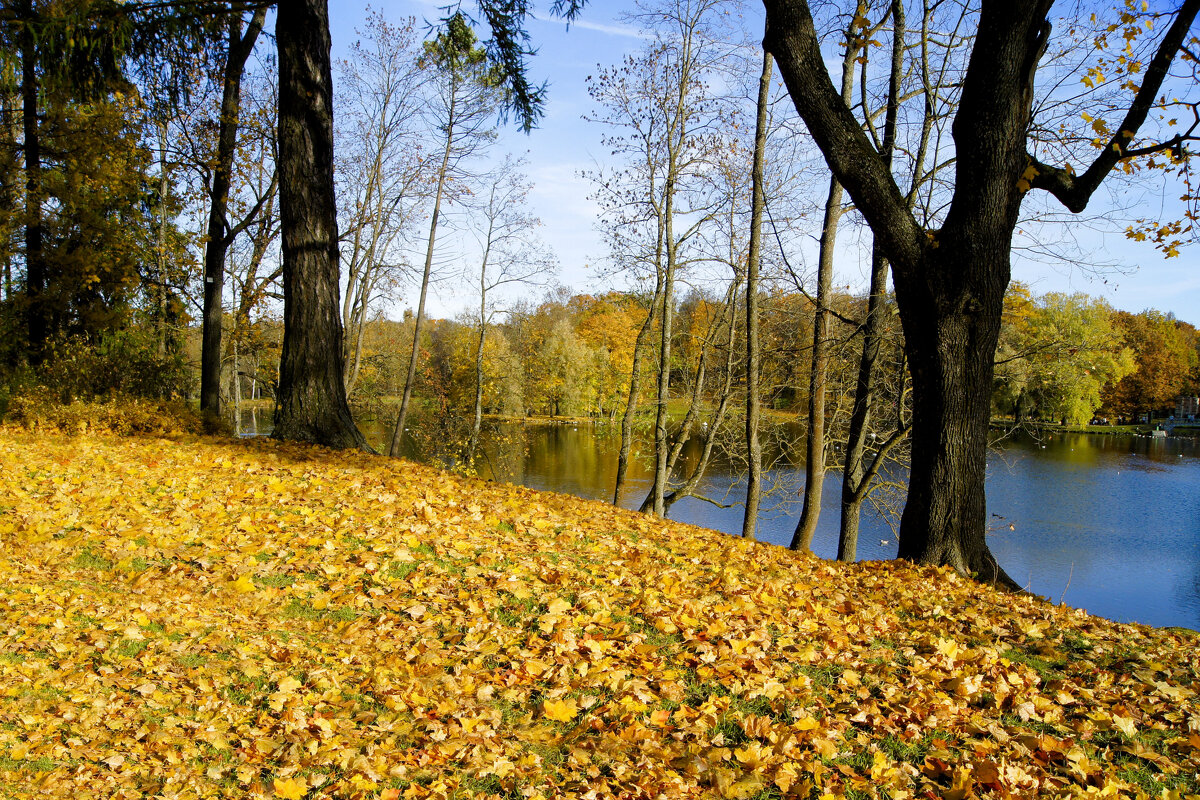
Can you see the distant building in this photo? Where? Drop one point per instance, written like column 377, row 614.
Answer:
column 1187, row 407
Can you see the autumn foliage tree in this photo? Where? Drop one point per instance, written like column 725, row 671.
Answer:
column 1164, row 366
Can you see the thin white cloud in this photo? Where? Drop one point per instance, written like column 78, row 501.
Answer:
column 601, row 27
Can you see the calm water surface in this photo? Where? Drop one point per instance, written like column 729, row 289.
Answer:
column 1106, row 523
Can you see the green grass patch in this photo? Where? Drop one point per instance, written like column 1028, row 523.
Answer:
column 130, row 648
column 303, row 609
column 90, row 559
column 1047, row 667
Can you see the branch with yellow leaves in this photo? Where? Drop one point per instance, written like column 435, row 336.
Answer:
column 1075, row 191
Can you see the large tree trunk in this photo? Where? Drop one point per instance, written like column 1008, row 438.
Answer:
column 239, row 49
column 951, row 327
column 753, row 257
column 950, row 283
column 35, row 264
column 312, row 397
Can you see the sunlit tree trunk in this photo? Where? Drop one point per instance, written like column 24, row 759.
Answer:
column 239, row 45
column 856, row 480
column 753, row 257
column 414, row 355
column 635, row 387
column 814, row 461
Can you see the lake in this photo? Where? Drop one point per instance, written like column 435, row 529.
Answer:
column 1110, row 524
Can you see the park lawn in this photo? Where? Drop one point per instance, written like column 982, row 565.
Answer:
column 192, row 617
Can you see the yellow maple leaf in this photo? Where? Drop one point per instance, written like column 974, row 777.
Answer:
column 290, row 789
column 660, row 717
column 560, row 710
column 289, row 685
column 243, row 584
column 1125, row 725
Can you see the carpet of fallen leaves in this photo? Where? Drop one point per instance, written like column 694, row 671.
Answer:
column 202, row 618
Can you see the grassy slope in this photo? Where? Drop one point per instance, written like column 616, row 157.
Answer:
column 200, row 618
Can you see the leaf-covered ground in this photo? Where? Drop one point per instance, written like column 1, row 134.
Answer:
column 212, row 619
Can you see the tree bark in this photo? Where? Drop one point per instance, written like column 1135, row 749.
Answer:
column 753, row 257
column 37, row 325
column 950, row 285
column 312, row 397
column 814, row 448
column 814, row 460
column 239, row 48
column 411, row 378
column 949, row 342
column 856, row 479
column 635, row 385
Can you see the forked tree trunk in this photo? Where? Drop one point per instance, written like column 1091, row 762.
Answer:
column 239, row 48
column 950, row 283
column 635, row 385
column 814, row 460
column 684, row 433
column 312, row 397
column 856, row 475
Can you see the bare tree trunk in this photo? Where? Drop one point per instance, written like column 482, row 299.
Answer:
column 237, row 389
column 814, row 461
column 477, row 422
column 692, row 482
column 753, row 257
column 680, row 439
column 240, row 46
column 951, row 408
column 312, row 397
column 661, row 440
column 855, row 479
column 411, row 379
column 635, row 385
column 35, row 265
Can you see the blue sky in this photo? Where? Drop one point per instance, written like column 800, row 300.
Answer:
column 564, row 145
